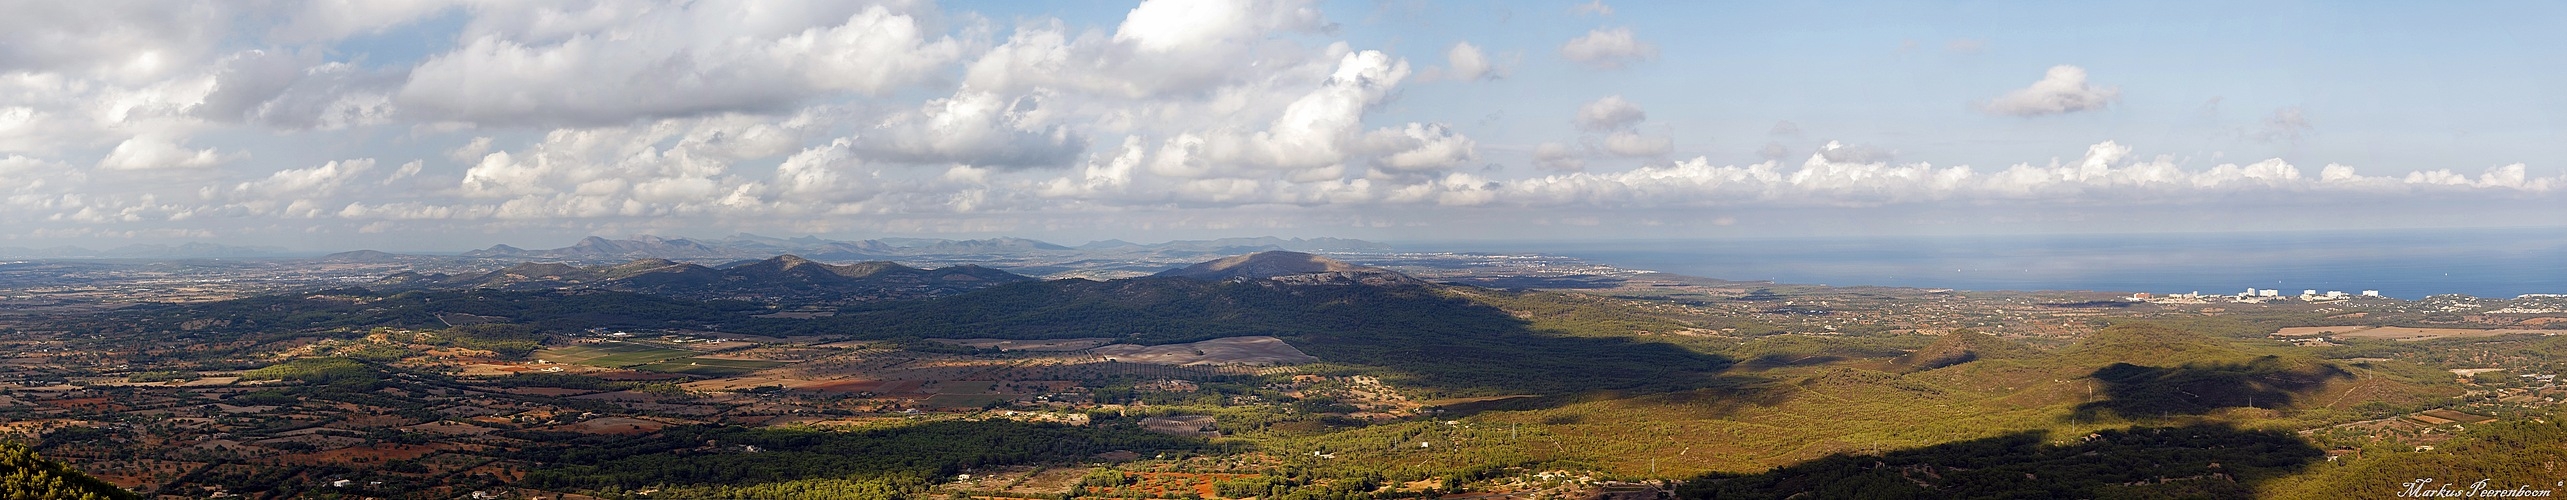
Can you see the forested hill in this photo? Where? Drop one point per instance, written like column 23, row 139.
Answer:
column 1426, row 336
column 1290, row 267
column 784, row 278
column 23, row 474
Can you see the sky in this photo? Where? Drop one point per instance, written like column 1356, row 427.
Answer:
column 436, row 125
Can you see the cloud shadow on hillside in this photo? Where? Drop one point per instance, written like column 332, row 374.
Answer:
column 2203, row 461
column 2133, row 391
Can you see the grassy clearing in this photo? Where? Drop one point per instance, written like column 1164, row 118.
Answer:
column 613, row 354
column 710, row 367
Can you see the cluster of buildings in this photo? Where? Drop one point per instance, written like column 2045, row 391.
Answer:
column 2250, row 295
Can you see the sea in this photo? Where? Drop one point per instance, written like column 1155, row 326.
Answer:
column 2410, row 264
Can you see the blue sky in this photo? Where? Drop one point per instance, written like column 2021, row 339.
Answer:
column 446, row 125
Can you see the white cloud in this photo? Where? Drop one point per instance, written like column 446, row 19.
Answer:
column 1463, row 62
column 1592, row 7
column 976, row 128
column 1181, row 25
column 620, row 171
column 1164, row 48
column 2514, row 177
column 1314, row 129
column 154, row 153
column 316, row 180
column 1608, row 49
column 2062, row 90
column 1609, row 113
column 2103, row 176
column 470, row 151
column 289, row 92
column 125, row 43
column 692, row 60
column 1421, row 148
column 1840, row 152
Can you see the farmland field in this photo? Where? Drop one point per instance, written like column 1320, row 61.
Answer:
column 713, row 367
column 613, row 354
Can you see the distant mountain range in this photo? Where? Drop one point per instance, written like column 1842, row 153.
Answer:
column 597, row 250
column 1290, row 268
column 747, row 246
column 793, row 279
column 182, row 251
column 777, row 279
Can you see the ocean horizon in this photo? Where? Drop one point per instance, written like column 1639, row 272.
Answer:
column 2410, row 264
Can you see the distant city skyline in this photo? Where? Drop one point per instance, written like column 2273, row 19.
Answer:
column 446, row 126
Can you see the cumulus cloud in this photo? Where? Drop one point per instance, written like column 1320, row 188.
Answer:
column 123, row 42
column 1609, row 113
column 1840, row 152
column 2061, row 90
column 976, row 128
column 1420, row 148
column 1617, row 118
column 320, row 180
column 1612, row 48
column 156, row 153
column 1463, row 62
column 1162, row 48
column 623, row 171
column 2104, row 175
column 289, row 92
column 1312, row 132
column 1168, row 26
column 470, row 151
column 696, row 59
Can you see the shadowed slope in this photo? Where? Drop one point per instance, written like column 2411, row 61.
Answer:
column 784, row 278
column 2144, row 462
column 1289, row 267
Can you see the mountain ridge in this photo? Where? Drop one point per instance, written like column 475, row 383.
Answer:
column 780, row 278
column 1289, row 267
column 750, row 246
